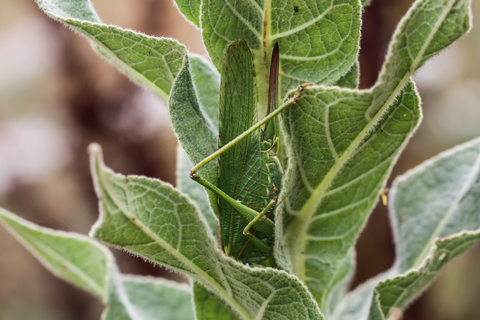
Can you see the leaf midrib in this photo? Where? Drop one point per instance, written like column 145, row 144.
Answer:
column 201, row 275
column 121, row 64
column 302, row 221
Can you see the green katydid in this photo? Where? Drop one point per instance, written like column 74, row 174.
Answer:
column 248, row 172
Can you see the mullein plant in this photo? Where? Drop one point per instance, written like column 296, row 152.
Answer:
column 281, row 161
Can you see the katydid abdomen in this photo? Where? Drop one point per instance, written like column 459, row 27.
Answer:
column 245, row 170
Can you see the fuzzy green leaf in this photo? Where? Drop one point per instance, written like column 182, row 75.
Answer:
column 350, row 79
column 195, row 130
column 147, row 298
column 194, row 100
column 72, row 257
column 190, row 9
column 205, row 97
column 318, row 40
column 357, row 303
column 208, row 306
column 149, row 61
column 207, row 83
column 429, row 27
column 90, row 266
column 343, row 144
column 342, row 282
column 155, row 221
column 193, row 107
column 340, row 162
column 194, row 190
column 397, row 293
column 435, row 200
column 434, row 212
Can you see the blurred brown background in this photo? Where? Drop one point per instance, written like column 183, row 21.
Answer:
column 57, row 96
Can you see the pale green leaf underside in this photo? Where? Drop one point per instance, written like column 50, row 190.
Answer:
column 429, row 27
column 430, row 207
column 90, row 266
column 193, row 107
column 207, row 82
column 398, row 292
column 208, row 306
column 357, row 303
column 159, row 299
column 194, row 190
column 343, row 143
column 153, row 220
column 147, row 298
column 435, row 200
column 394, row 292
column 72, row 257
column 194, row 113
column 436, row 205
column 341, row 160
column 318, row 39
column 195, row 130
column 149, row 61
column 205, row 79
column 344, row 277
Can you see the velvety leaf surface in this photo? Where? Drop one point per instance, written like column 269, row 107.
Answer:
column 341, row 162
column 209, row 306
column 158, row 299
column 207, row 82
column 436, row 200
column 190, row 9
column 194, row 128
column 194, row 113
column 343, row 143
column 350, row 79
column 90, row 266
column 357, row 303
column 194, row 190
column 155, row 221
column 434, row 211
column 397, row 293
column 318, row 40
column 149, row 61
column 73, row 257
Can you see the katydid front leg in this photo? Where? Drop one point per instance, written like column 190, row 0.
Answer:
column 252, row 129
